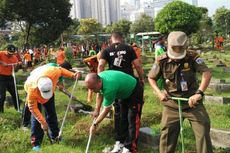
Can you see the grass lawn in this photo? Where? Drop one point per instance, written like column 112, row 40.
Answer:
column 76, row 130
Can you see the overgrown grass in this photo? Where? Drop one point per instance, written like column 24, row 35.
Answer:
column 76, row 129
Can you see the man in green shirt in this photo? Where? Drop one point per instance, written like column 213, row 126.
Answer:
column 117, row 85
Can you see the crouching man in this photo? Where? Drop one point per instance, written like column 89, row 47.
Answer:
column 111, row 85
column 40, row 89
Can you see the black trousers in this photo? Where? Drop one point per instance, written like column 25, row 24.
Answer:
column 127, row 118
column 7, row 84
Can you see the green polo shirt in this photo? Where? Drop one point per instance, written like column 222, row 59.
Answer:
column 116, row 85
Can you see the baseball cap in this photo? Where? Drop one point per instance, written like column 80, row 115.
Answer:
column 45, row 86
column 177, row 39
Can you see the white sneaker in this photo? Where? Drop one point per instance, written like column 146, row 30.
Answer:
column 125, row 150
column 117, row 147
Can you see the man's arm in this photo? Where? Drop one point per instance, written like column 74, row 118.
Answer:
column 206, row 77
column 99, row 100
column 101, row 65
column 205, row 80
column 162, row 96
column 139, row 69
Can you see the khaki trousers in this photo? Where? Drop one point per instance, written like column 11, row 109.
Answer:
column 199, row 120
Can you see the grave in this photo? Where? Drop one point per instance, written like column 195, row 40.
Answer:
column 220, row 138
column 220, row 87
column 148, row 138
column 226, row 69
column 216, row 100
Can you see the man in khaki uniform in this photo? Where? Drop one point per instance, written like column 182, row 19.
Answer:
column 178, row 68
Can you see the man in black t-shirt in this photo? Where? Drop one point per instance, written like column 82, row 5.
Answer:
column 121, row 57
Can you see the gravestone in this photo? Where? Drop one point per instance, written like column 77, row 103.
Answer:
column 220, row 64
column 148, row 138
column 226, row 69
column 216, row 100
column 220, row 138
column 220, row 87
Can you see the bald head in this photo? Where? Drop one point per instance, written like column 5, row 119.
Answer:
column 93, row 82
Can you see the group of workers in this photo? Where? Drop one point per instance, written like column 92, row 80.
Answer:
column 120, row 88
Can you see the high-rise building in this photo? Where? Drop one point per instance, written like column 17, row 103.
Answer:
column 105, row 11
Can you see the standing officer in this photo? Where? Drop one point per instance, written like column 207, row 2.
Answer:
column 120, row 57
column 6, row 79
column 40, row 89
column 113, row 85
column 178, row 69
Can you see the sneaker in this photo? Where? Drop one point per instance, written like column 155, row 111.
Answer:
column 125, row 150
column 36, row 148
column 117, row 147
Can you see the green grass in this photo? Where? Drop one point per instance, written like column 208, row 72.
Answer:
column 76, row 129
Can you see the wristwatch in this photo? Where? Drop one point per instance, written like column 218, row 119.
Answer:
column 200, row 92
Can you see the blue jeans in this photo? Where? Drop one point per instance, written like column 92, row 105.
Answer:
column 37, row 133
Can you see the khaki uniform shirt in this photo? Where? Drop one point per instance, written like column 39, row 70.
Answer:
column 174, row 73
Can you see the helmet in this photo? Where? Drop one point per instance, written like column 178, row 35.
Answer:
column 11, row 48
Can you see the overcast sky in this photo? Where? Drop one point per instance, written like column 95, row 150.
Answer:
column 212, row 5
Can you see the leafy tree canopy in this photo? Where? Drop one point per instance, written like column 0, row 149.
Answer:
column 222, row 20
column 143, row 24
column 178, row 16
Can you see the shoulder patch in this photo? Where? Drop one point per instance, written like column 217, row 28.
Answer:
column 199, row 60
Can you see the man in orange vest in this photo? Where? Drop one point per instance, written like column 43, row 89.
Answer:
column 60, row 56
column 221, row 42
column 7, row 61
column 40, row 87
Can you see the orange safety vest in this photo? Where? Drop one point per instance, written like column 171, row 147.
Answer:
column 33, row 93
column 4, row 57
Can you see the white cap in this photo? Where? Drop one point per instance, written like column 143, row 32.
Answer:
column 45, row 86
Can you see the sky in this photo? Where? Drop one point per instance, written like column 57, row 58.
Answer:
column 211, row 5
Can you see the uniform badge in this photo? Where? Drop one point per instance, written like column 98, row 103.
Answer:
column 199, row 60
column 185, row 65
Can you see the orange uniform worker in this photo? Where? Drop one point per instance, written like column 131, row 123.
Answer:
column 92, row 63
column 221, row 42
column 6, row 78
column 28, row 60
column 40, row 87
column 60, row 56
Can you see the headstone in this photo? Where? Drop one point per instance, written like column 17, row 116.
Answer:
column 81, row 83
column 220, row 138
column 216, row 100
column 217, row 81
column 220, row 64
column 220, row 87
column 226, row 69
column 148, row 138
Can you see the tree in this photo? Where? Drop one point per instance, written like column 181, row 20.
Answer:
column 48, row 19
column 89, row 26
column 122, row 26
column 178, row 16
column 143, row 24
column 222, row 20
column 205, row 30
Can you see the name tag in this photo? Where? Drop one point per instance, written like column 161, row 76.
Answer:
column 184, row 85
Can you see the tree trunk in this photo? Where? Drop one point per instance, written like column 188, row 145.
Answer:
column 27, row 33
